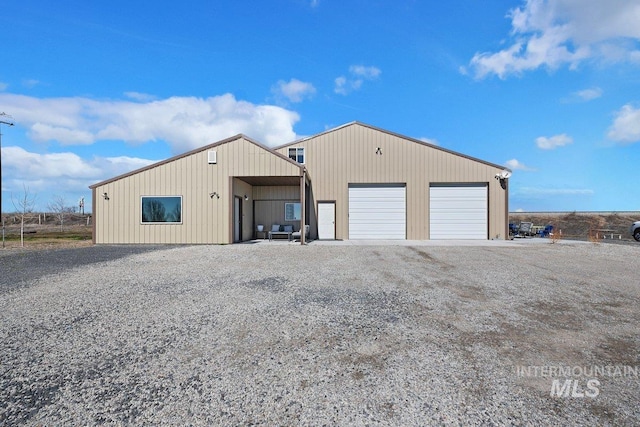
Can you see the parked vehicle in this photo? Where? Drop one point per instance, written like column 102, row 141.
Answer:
column 635, row 230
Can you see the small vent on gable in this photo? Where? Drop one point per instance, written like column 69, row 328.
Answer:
column 213, row 158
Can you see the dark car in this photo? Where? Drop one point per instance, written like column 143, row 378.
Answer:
column 635, row 230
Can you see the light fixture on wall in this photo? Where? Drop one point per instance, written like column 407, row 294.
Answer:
column 246, row 197
column 105, row 196
column 214, row 194
column 502, row 177
column 379, row 151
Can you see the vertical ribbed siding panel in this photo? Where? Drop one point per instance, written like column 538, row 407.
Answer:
column 176, row 230
column 189, row 201
column 111, row 206
column 421, row 214
column 221, row 184
column 115, row 204
column 201, row 203
column 198, row 188
column 170, row 183
column 412, row 198
column 182, row 178
column 124, row 212
column 144, row 189
column 106, row 218
column 204, row 217
column 101, row 217
column 132, row 209
column 347, row 155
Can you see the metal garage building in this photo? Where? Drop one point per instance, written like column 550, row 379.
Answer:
column 352, row 182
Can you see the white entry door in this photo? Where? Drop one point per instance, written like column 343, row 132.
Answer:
column 327, row 220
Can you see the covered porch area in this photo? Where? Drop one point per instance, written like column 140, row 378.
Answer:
column 261, row 203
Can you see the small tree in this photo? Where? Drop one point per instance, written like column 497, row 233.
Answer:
column 24, row 205
column 58, row 206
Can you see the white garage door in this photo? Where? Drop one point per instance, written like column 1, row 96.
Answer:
column 458, row 212
column 377, row 212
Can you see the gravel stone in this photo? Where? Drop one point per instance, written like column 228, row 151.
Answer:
column 283, row 334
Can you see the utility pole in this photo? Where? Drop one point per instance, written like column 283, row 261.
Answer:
column 2, row 122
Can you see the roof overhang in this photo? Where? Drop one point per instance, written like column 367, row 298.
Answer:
column 270, row 180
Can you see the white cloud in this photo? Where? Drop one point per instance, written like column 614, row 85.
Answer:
column 45, row 132
column 626, row 125
column 28, row 166
column 430, row 141
column 113, row 166
column 294, row 90
column 138, row 96
column 341, row 85
column 534, row 192
column 554, row 33
column 515, row 164
column 588, row 94
column 315, row 3
column 183, row 122
column 553, row 142
column 59, row 173
column 24, row 165
column 30, row 83
column 369, row 73
column 357, row 76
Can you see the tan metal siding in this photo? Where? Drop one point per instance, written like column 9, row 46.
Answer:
column 348, row 155
column 204, row 220
column 269, row 204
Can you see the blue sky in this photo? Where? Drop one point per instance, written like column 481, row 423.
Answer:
column 550, row 89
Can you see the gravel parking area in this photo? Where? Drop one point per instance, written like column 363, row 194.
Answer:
column 321, row 335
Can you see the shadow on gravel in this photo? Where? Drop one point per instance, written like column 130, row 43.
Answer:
column 19, row 269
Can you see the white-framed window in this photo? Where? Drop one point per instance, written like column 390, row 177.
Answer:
column 161, row 209
column 292, row 212
column 297, row 154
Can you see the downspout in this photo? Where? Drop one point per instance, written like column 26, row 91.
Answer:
column 303, row 215
column 506, row 210
column 93, row 213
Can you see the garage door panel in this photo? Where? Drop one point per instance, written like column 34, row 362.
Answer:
column 461, row 203
column 377, row 212
column 458, row 212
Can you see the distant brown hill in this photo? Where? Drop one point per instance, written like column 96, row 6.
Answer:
column 580, row 225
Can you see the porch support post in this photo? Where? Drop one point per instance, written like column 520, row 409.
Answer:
column 303, row 215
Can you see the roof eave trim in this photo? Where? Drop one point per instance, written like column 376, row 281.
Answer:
column 191, row 152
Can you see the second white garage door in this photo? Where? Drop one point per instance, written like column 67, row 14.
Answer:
column 458, row 212
column 377, row 212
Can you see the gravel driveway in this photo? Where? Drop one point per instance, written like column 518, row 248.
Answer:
column 321, row 335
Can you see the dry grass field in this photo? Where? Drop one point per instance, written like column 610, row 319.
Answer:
column 43, row 231
column 580, row 226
